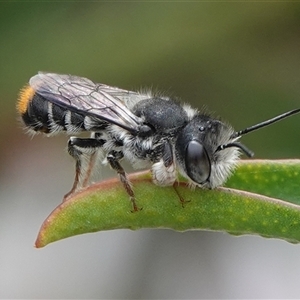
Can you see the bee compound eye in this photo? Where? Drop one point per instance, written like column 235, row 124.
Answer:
column 197, row 162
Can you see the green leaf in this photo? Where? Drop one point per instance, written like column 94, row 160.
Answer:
column 106, row 206
column 274, row 178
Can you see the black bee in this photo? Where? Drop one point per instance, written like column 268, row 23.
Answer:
column 145, row 129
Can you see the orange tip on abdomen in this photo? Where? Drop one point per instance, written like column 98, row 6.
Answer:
column 26, row 95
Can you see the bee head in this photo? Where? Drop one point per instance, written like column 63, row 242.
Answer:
column 207, row 151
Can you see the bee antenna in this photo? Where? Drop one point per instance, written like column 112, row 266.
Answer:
column 247, row 151
column 265, row 123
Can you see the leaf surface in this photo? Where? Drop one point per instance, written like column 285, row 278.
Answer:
column 261, row 198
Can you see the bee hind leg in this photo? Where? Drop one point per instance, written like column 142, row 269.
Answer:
column 83, row 149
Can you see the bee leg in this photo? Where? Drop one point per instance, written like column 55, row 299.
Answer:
column 113, row 158
column 181, row 199
column 80, row 149
column 164, row 170
column 167, row 154
column 170, row 176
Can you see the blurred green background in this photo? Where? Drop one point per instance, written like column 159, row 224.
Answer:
column 241, row 60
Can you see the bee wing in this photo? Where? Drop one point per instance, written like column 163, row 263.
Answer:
column 83, row 95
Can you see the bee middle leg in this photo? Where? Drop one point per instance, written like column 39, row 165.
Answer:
column 81, row 149
column 113, row 158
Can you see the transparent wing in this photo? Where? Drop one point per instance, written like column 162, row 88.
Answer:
column 83, row 95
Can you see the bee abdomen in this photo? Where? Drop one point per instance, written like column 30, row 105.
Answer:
column 41, row 115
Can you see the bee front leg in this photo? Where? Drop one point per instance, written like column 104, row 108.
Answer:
column 83, row 149
column 113, row 158
column 164, row 171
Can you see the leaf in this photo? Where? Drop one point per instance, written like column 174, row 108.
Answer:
column 274, row 178
column 106, row 206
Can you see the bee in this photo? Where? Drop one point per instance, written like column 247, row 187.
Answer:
column 147, row 130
